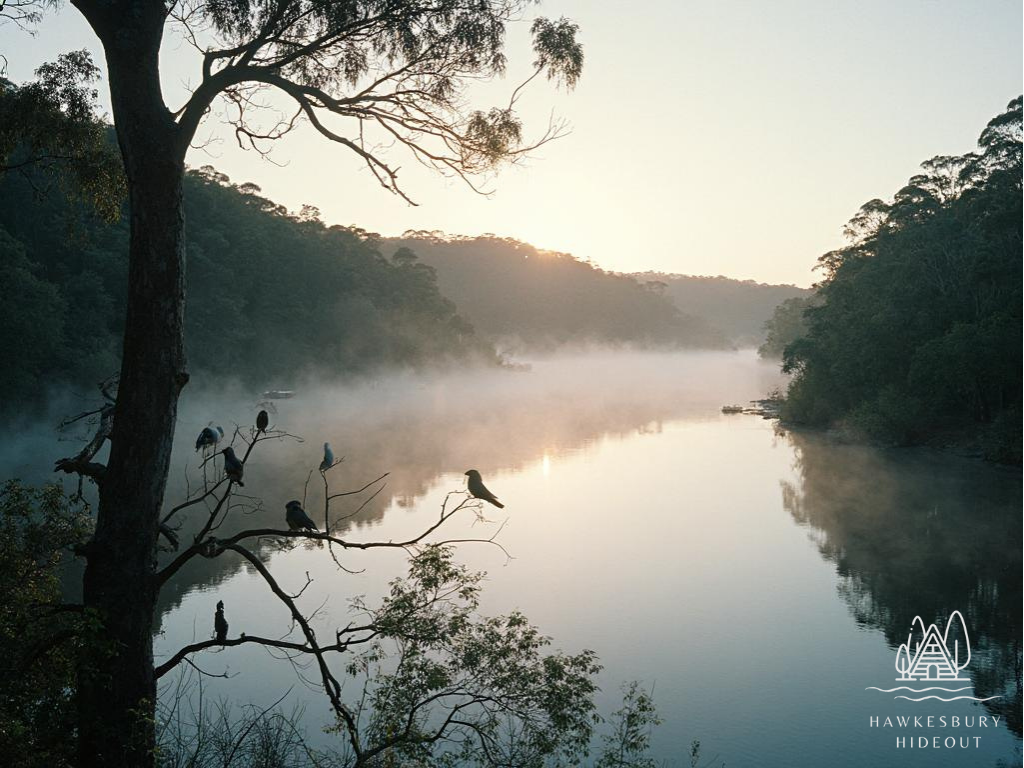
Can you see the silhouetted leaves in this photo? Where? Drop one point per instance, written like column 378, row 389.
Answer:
column 919, row 329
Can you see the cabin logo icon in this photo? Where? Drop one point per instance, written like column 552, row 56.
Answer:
column 931, row 659
column 934, row 657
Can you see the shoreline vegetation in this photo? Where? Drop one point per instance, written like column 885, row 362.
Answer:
column 913, row 336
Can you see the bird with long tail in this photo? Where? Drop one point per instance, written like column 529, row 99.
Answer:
column 478, row 490
column 297, row 518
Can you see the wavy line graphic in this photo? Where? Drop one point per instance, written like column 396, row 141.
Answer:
column 918, row 690
column 955, row 698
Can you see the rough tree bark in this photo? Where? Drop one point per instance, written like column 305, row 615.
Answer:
column 117, row 687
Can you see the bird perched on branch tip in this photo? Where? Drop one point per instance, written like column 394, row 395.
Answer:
column 328, row 461
column 478, row 490
column 262, row 421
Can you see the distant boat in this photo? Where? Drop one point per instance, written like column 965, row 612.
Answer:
column 279, row 394
column 732, row 409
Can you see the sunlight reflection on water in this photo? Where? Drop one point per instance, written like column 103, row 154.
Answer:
column 747, row 574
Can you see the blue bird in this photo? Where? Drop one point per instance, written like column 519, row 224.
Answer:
column 297, row 518
column 328, row 461
column 209, row 437
column 233, row 467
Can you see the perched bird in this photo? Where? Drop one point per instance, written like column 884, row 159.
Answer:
column 479, row 491
column 297, row 518
column 233, row 467
column 209, row 437
column 328, row 461
column 262, row 421
column 220, row 624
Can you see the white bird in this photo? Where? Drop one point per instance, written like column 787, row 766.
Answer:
column 328, row 461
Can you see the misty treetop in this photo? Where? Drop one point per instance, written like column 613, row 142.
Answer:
column 918, row 332
column 737, row 308
column 534, row 299
column 786, row 325
column 272, row 295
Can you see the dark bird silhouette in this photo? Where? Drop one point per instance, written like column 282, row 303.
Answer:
column 233, row 467
column 328, row 461
column 209, row 437
column 479, row 491
column 297, row 518
column 220, row 624
column 262, row 421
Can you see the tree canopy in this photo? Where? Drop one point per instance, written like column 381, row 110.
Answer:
column 51, row 133
column 919, row 329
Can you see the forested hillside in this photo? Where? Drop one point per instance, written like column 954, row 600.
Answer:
column 271, row 295
column 918, row 332
column 534, row 299
column 738, row 308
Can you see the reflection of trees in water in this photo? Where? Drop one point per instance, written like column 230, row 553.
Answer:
column 913, row 533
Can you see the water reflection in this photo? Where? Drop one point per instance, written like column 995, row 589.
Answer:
column 916, row 533
column 648, row 526
column 419, row 427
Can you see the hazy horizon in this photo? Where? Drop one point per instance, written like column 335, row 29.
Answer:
column 785, row 118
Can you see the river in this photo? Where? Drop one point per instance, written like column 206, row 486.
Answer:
column 758, row 580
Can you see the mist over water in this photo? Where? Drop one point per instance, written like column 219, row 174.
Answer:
column 759, row 580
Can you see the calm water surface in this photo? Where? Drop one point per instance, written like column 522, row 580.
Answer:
column 758, row 580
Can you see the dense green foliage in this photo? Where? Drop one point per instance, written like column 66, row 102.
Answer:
column 51, row 135
column 271, row 295
column 919, row 331
column 540, row 299
column 737, row 308
column 37, row 642
column 786, row 325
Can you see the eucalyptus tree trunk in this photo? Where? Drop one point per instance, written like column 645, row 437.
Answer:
column 117, row 686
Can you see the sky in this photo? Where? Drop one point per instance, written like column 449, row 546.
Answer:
column 712, row 138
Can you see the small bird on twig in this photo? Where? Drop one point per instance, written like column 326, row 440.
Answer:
column 297, row 518
column 209, row 437
column 233, row 467
column 220, row 624
column 328, row 461
column 478, row 490
column 262, row 421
